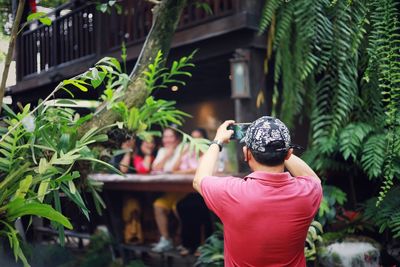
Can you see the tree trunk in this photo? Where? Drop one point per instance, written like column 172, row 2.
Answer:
column 165, row 21
column 11, row 45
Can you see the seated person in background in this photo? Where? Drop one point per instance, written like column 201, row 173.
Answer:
column 164, row 162
column 188, row 160
column 193, row 213
column 137, row 160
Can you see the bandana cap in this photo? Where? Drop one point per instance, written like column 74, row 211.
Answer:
column 268, row 134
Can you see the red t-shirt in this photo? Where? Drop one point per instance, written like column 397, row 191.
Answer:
column 265, row 215
column 139, row 166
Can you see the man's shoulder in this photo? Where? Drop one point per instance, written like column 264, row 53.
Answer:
column 221, row 177
column 219, row 181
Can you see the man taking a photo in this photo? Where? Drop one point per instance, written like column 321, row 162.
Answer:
column 266, row 215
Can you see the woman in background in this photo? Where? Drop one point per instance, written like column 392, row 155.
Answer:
column 138, row 157
column 165, row 161
column 137, row 160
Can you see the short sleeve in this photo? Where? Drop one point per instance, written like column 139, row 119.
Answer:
column 214, row 191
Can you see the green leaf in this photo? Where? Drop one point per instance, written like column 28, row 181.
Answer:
column 18, row 208
column 98, row 79
column 35, row 16
column 42, row 191
column 103, row 163
column 72, row 187
column 77, row 199
column 44, row 165
column 80, row 87
column 45, row 21
column 24, row 186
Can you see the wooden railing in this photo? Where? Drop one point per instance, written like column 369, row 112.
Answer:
column 85, row 32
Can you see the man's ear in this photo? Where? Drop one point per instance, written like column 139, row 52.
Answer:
column 245, row 153
column 289, row 153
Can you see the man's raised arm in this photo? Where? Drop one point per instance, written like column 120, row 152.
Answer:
column 297, row 167
column 210, row 158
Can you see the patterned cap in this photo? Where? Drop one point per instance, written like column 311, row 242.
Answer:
column 267, row 134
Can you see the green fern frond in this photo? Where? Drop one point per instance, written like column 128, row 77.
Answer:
column 351, row 139
column 268, row 12
column 373, row 155
column 387, row 215
column 383, row 50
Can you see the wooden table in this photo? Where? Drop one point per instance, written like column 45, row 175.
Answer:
column 116, row 186
column 146, row 182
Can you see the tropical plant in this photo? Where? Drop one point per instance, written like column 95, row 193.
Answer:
column 313, row 240
column 41, row 148
column 154, row 112
column 139, row 122
column 212, row 252
column 159, row 38
column 332, row 198
column 387, row 216
column 38, row 160
column 338, row 63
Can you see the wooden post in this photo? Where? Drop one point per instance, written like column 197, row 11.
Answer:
column 249, row 109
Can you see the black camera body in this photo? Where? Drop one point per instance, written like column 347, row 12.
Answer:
column 239, row 130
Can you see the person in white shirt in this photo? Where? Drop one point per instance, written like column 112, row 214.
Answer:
column 165, row 161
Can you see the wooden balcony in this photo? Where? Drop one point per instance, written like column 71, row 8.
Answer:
column 79, row 38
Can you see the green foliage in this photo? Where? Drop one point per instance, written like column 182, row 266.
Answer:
column 340, row 59
column 140, row 121
column 371, row 159
column 333, row 196
column 98, row 252
column 387, row 215
column 205, row 6
column 108, row 6
column 5, row 17
column 313, row 239
column 39, row 155
column 212, row 252
column 159, row 77
column 40, row 16
column 338, row 64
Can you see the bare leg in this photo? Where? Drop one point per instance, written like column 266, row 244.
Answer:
column 161, row 216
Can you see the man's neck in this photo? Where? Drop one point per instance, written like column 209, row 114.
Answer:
column 270, row 169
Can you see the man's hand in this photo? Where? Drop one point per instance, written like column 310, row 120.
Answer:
column 128, row 145
column 223, row 134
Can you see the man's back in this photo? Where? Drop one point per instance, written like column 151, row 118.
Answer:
column 266, row 216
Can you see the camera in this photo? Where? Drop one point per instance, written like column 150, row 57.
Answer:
column 239, row 130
